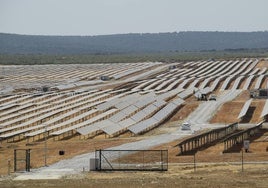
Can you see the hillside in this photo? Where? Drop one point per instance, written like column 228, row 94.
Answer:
column 132, row 43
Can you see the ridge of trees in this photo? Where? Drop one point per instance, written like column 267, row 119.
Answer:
column 133, row 43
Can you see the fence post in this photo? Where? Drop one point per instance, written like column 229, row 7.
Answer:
column 28, row 160
column 194, row 163
column 242, row 160
column 15, row 160
column 100, row 159
column 143, row 159
column 162, row 160
column 9, row 166
column 167, row 159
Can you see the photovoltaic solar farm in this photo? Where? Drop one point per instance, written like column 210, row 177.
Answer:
column 114, row 99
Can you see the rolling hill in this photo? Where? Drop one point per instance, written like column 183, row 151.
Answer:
column 132, row 43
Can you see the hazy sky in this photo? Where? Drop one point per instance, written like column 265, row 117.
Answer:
column 96, row 17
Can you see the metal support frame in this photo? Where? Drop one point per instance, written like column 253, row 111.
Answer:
column 191, row 145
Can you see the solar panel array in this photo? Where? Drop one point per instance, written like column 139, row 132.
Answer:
column 86, row 110
column 208, row 74
column 65, row 76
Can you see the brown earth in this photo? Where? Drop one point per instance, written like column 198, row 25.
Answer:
column 264, row 84
column 229, row 111
column 72, row 147
column 262, row 64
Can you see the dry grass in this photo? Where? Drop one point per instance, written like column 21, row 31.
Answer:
column 217, row 175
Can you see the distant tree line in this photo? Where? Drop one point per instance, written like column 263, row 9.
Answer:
column 30, row 59
column 133, row 43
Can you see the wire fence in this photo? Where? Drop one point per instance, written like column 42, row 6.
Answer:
column 132, row 160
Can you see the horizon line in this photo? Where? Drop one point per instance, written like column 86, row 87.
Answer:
column 143, row 33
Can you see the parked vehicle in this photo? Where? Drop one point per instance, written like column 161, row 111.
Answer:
column 212, row 97
column 186, row 126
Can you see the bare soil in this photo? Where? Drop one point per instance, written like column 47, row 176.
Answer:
column 262, row 64
column 229, row 112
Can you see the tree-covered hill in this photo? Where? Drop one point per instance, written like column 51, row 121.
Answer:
column 132, row 43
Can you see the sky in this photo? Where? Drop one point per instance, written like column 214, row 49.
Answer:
column 101, row 17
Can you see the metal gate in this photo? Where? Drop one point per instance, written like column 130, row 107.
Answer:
column 132, row 160
column 22, row 159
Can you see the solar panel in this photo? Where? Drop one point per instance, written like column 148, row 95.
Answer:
column 144, row 102
column 254, row 71
column 139, row 116
column 112, row 129
column 178, row 101
column 165, row 112
column 166, row 96
column 248, row 81
column 186, row 93
column 127, row 122
column 263, row 71
column 143, row 125
column 88, row 130
column 129, row 110
column 244, row 109
column 149, row 109
column 237, row 81
column 216, row 82
column 159, row 103
column 265, row 109
column 122, row 105
column 226, row 82
column 259, row 81
column 105, row 105
column 118, row 116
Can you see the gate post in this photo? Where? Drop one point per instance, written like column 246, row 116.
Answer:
column 28, row 160
column 15, row 160
column 162, row 160
column 100, row 158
